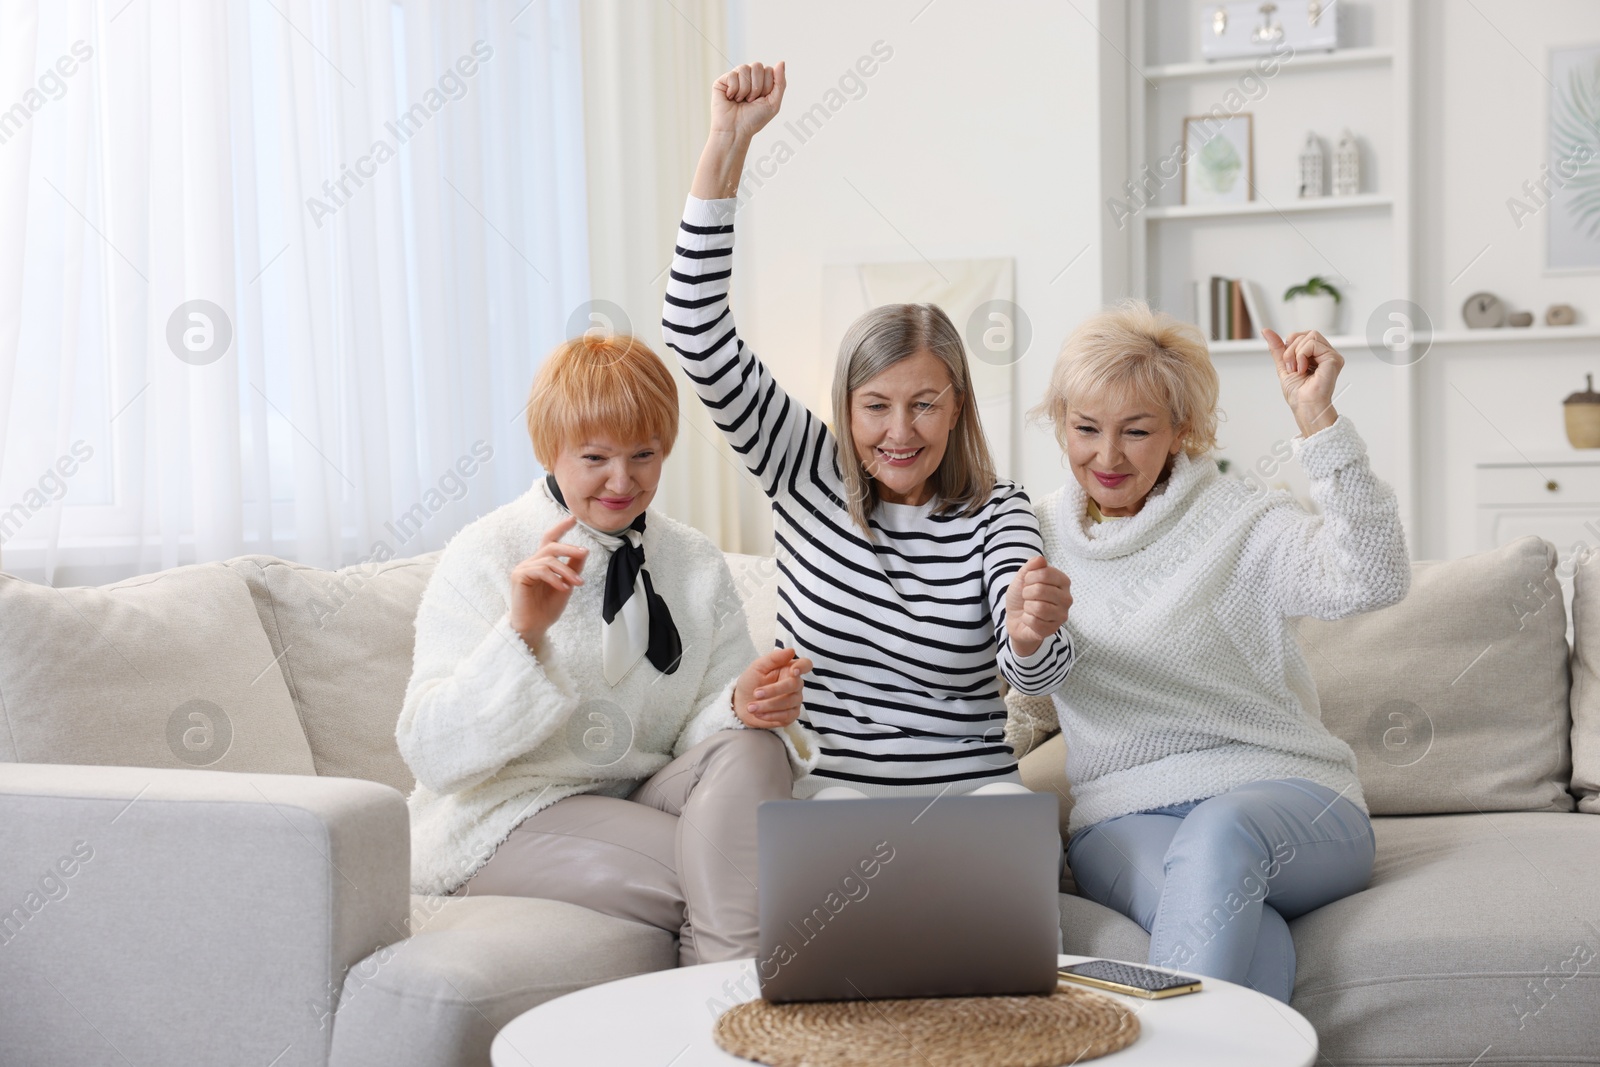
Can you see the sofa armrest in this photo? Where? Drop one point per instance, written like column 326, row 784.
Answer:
column 189, row 916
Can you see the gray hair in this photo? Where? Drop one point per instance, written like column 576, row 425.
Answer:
column 878, row 340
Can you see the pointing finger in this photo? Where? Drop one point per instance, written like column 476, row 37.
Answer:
column 556, row 532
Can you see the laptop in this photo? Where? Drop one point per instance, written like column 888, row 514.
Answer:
column 908, row 897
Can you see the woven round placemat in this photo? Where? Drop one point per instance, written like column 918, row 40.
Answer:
column 1069, row 1026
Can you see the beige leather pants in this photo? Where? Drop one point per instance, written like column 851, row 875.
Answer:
column 679, row 853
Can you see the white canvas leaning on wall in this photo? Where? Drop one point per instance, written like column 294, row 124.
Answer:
column 977, row 294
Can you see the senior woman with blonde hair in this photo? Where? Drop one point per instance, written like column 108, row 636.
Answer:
column 1211, row 804
column 587, row 718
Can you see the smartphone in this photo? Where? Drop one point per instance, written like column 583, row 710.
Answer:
column 1129, row 978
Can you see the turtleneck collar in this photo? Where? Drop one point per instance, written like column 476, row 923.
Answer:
column 1166, row 504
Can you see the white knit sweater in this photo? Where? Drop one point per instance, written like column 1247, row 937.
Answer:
column 494, row 732
column 1189, row 680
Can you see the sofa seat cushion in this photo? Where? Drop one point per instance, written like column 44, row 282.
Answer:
column 1090, row 929
column 164, row 670
column 470, row 966
column 1478, row 941
column 344, row 640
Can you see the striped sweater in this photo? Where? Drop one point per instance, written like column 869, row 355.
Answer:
column 906, row 628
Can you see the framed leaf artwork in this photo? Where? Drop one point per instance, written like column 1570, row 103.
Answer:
column 1218, row 163
column 1572, row 214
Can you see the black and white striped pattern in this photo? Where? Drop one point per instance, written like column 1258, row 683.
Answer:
column 906, row 630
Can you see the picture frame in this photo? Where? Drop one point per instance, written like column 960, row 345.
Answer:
column 1219, row 159
column 1572, row 212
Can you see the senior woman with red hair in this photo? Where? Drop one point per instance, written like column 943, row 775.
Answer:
column 587, row 718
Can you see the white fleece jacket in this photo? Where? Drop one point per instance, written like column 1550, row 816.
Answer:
column 495, row 732
column 1189, row 680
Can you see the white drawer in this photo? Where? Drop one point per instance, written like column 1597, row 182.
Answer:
column 1550, row 483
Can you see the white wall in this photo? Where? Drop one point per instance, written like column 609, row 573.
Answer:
column 983, row 136
column 977, row 137
column 1482, row 120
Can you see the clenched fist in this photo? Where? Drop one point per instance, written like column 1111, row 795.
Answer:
column 746, row 98
column 1036, row 605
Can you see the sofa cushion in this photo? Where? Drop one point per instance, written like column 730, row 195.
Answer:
column 756, row 579
column 345, row 640
column 1044, row 770
column 1586, row 682
column 163, row 670
column 1476, row 942
column 1090, row 929
column 471, row 965
column 1455, row 699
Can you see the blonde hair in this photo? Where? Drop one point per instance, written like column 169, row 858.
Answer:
column 878, row 340
column 1128, row 350
column 611, row 385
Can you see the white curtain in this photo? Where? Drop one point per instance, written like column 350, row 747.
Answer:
column 648, row 70
column 379, row 207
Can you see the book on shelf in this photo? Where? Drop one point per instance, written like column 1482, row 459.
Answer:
column 1255, row 306
column 1228, row 309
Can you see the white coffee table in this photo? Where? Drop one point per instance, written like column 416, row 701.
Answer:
column 664, row 1019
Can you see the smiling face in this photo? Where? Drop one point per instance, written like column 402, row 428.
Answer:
column 901, row 421
column 1118, row 448
column 607, row 484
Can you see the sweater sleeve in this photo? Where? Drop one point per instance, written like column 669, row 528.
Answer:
column 732, row 652
column 1352, row 556
column 478, row 696
column 770, row 430
column 1010, row 539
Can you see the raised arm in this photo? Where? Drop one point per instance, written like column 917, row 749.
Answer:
column 1350, row 557
column 772, row 432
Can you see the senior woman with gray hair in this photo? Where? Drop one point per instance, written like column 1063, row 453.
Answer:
column 906, row 568
column 1211, row 804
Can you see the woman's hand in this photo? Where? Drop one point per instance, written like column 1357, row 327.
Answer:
column 745, row 99
column 1308, row 367
column 1036, row 605
column 742, row 101
column 542, row 583
column 768, row 693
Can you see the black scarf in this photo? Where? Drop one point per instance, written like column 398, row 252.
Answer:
column 626, row 577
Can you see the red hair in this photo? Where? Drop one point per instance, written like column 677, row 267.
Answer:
column 601, row 385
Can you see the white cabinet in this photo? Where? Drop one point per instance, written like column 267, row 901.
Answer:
column 1553, row 497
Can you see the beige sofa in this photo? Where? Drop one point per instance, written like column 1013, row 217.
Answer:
column 204, row 851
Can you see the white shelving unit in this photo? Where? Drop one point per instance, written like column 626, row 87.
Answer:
column 1443, row 340
column 1364, row 242
column 1348, row 57
column 1512, row 335
column 1359, row 202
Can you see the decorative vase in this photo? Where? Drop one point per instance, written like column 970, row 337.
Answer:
column 1347, row 166
column 1311, row 168
column 1583, row 416
column 1315, row 311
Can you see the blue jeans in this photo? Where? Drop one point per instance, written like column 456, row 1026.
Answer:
column 1215, row 881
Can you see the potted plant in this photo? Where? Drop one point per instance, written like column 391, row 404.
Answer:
column 1313, row 305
